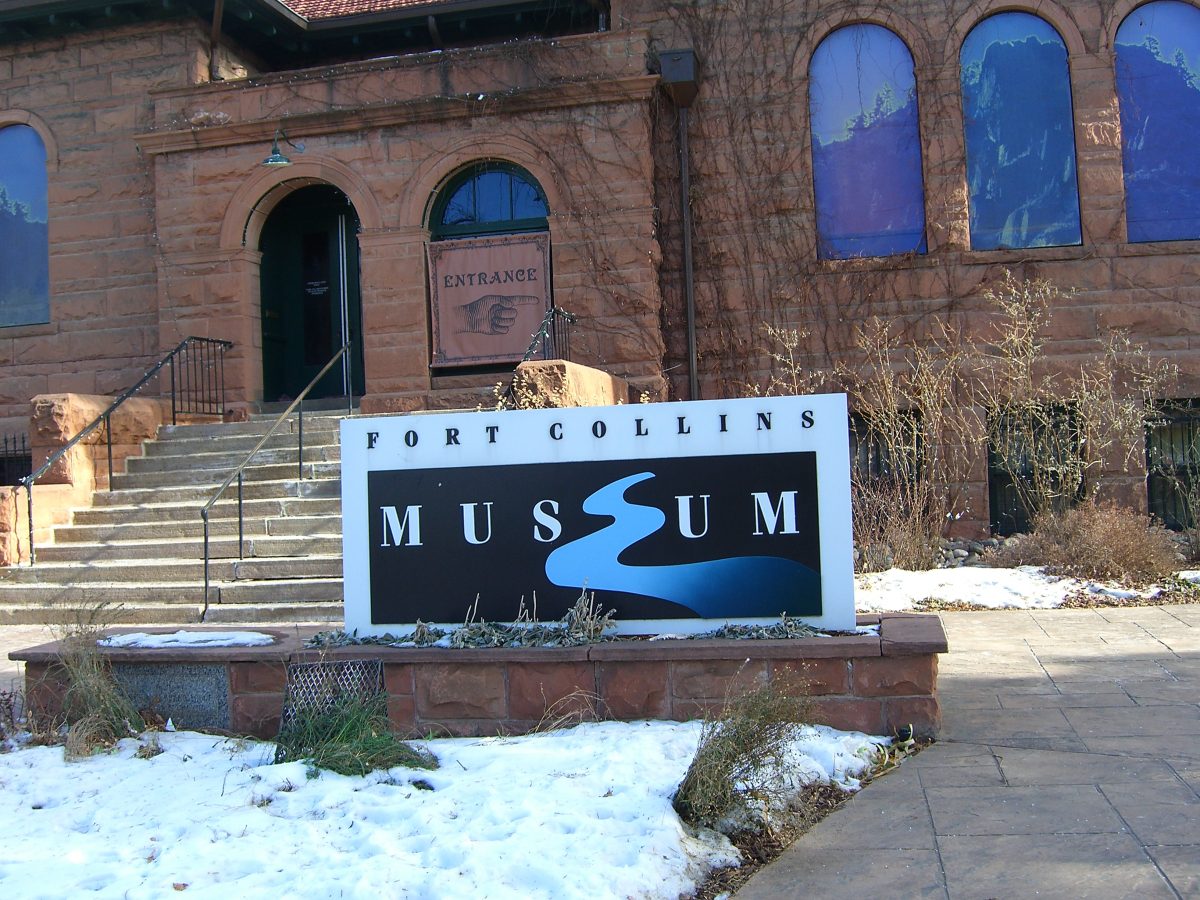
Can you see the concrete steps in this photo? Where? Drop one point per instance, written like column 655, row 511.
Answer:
column 136, row 555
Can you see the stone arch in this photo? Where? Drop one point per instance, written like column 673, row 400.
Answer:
column 24, row 117
column 917, row 40
column 254, row 200
column 1047, row 10
column 417, row 200
column 1120, row 11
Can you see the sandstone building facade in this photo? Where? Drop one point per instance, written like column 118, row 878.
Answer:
column 846, row 161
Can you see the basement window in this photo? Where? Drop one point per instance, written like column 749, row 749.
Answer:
column 1173, row 463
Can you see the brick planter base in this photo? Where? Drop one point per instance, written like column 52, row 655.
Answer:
column 871, row 683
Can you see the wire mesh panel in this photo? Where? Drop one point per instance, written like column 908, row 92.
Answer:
column 1173, row 463
column 317, row 687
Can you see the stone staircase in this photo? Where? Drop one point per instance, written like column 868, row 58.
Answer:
column 137, row 554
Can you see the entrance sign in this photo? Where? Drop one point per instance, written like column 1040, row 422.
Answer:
column 678, row 515
column 488, row 297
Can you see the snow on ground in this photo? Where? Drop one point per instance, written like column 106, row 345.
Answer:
column 579, row 813
column 1026, row 587
column 189, row 639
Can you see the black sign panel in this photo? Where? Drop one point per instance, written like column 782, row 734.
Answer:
column 705, row 536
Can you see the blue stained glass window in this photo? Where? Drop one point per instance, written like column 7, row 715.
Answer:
column 1158, row 88
column 1020, row 135
column 491, row 197
column 24, row 238
column 866, row 145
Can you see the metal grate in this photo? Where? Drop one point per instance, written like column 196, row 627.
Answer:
column 16, row 460
column 896, row 457
column 1030, row 437
column 316, row 687
column 1173, row 463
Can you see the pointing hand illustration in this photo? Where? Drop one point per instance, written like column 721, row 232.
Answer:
column 491, row 313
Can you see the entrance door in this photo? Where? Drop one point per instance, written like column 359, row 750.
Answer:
column 310, row 295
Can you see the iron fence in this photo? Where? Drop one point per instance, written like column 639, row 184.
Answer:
column 1173, row 463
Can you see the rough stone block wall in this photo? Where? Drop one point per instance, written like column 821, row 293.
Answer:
column 869, row 683
column 573, row 112
column 89, row 95
column 157, row 199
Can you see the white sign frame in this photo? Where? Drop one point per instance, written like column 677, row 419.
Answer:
column 735, row 427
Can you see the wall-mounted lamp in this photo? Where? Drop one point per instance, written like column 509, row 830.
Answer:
column 276, row 158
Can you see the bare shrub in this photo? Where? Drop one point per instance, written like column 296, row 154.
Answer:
column 1094, row 540
column 1052, row 431
column 736, row 772
column 915, row 428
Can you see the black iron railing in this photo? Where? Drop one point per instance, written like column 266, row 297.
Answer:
column 197, row 372
column 238, row 474
column 553, row 335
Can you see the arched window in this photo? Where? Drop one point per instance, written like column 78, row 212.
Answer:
column 1158, row 88
column 489, row 264
column 24, row 237
column 866, row 145
column 1020, row 135
column 489, row 198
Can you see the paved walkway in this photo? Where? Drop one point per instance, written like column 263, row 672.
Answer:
column 18, row 637
column 1069, row 766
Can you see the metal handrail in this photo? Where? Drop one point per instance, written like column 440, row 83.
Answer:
column 238, row 472
column 554, row 334
column 217, row 383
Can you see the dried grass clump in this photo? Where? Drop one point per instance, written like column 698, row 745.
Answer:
column 1094, row 540
column 584, row 623
column 95, row 709
column 575, row 708
column 350, row 734
column 736, row 774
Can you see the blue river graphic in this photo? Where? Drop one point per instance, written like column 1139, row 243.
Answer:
column 746, row 586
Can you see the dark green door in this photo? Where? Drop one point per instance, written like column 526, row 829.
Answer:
column 310, row 295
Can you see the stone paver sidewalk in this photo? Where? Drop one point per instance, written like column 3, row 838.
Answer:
column 1069, row 766
column 18, row 637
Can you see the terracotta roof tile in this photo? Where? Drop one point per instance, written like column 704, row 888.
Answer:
column 332, row 9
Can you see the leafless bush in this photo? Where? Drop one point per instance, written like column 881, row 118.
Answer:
column 914, row 434
column 1053, row 431
column 736, row 771
column 1094, row 540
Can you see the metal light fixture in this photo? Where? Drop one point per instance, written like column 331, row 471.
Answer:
column 276, row 159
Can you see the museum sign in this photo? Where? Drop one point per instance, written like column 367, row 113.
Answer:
column 675, row 514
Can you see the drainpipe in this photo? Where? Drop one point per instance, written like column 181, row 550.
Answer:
column 677, row 69
column 214, row 37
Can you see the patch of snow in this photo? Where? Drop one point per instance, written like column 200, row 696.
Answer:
column 1025, row 587
column 143, row 640
column 578, row 813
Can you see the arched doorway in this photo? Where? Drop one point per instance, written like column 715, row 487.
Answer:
column 311, row 302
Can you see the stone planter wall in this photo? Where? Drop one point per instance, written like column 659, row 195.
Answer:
column 871, row 683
